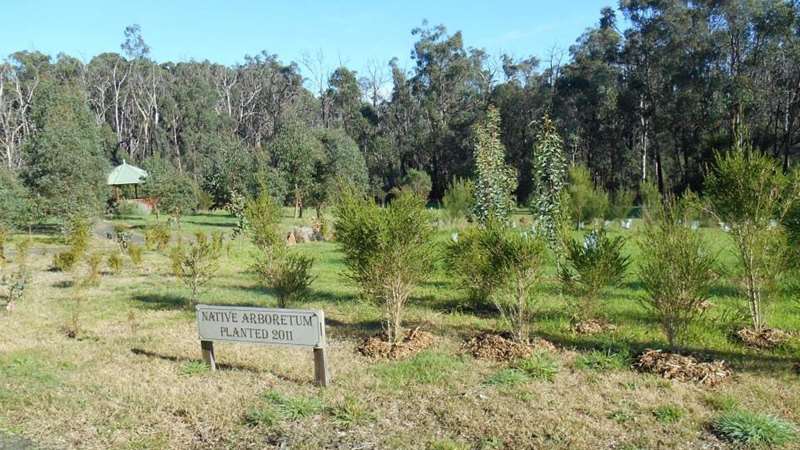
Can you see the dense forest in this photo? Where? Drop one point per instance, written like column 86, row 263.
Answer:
column 649, row 93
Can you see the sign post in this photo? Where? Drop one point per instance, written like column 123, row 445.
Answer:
column 290, row 327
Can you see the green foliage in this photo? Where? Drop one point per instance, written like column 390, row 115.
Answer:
column 496, row 181
column 157, row 236
column 667, row 414
column 388, row 251
column 592, row 265
column 3, row 237
column 190, row 368
column 677, row 270
column 174, row 193
column 417, row 182
column 287, row 273
column 78, row 232
column 468, row 262
column 341, row 162
column 262, row 217
column 600, row 360
column 196, row 264
column 650, row 198
column 237, row 205
column 228, row 168
column 622, row 204
column 753, row 429
column 585, row 202
column 540, row 366
column 296, row 152
column 459, row 199
column 65, row 164
column 15, row 202
column 748, row 190
column 549, row 177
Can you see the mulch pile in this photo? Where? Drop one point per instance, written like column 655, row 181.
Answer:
column 683, row 368
column 497, row 347
column 378, row 347
column 766, row 338
column 593, row 326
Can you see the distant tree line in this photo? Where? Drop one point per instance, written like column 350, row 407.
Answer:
column 651, row 100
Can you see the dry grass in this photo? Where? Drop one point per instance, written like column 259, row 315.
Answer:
column 132, row 378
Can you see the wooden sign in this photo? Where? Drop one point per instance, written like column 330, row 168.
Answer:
column 290, row 327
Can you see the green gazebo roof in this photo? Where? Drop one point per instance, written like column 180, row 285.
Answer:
column 126, row 174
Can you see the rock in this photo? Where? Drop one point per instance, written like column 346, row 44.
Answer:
column 290, row 239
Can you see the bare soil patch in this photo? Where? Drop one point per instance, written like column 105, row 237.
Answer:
column 497, row 347
column 766, row 338
column 683, row 368
column 378, row 347
column 593, row 326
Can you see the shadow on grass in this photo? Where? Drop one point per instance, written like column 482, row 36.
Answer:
column 744, row 361
column 353, row 330
column 209, row 224
column 162, row 301
column 220, row 366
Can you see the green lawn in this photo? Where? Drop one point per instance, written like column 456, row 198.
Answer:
column 132, row 378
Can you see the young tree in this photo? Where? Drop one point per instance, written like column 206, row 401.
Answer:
column 65, row 164
column 496, row 181
column 296, row 151
column 585, row 201
column 459, row 199
column 504, row 265
column 388, row 251
column 549, row 177
column 748, row 190
column 677, row 270
column 341, row 163
column 173, row 192
column 15, row 202
column 196, row 264
column 418, row 182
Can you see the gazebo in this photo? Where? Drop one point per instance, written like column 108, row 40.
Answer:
column 126, row 174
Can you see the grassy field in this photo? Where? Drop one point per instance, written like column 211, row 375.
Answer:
column 133, row 377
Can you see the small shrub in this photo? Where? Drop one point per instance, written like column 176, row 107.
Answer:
column 387, row 251
column 3, row 237
column 195, row 264
column 262, row 216
column 135, row 253
column 507, row 377
column 93, row 269
column 540, row 365
column 78, row 234
column 748, row 190
column 603, row 360
column 677, row 271
column 417, row 182
column 584, row 201
column 157, row 236
column 459, row 199
column 288, row 274
column 115, row 263
column 592, row 265
column 65, row 261
column 668, row 413
column 753, row 429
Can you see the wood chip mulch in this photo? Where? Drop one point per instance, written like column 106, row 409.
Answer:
column 593, row 326
column 497, row 347
column 683, row 368
column 766, row 338
column 379, row 348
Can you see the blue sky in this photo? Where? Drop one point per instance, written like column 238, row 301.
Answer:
column 347, row 31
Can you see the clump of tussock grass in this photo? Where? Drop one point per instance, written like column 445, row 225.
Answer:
column 350, row 412
column 667, row 414
column 193, row 368
column 424, row 368
column 277, row 407
column 753, row 429
column 603, row 360
column 540, row 366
